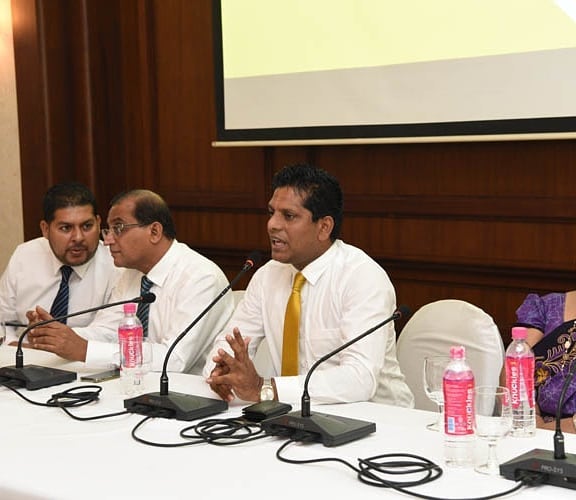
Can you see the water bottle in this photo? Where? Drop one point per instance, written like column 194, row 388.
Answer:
column 458, row 388
column 520, row 383
column 130, row 340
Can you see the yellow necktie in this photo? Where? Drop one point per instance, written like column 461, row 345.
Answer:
column 291, row 327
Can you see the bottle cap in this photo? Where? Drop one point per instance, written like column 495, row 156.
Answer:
column 519, row 332
column 457, row 352
column 129, row 308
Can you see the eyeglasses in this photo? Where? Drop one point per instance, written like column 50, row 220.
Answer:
column 119, row 228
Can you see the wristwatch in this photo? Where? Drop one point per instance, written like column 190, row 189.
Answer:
column 267, row 390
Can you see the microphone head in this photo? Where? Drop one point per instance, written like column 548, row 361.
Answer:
column 253, row 259
column 147, row 298
column 403, row 311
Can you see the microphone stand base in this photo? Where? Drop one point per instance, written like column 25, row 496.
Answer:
column 175, row 405
column 34, row 377
column 330, row 430
column 541, row 466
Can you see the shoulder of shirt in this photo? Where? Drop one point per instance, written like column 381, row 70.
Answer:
column 36, row 252
column 351, row 257
column 39, row 244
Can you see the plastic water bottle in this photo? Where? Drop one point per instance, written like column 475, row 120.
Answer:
column 458, row 387
column 520, row 383
column 130, row 340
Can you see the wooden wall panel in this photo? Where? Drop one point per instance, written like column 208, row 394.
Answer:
column 121, row 94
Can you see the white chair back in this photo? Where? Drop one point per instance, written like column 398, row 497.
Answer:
column 437, row 326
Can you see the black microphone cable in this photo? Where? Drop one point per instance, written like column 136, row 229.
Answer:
column 375, row 471
column 70, row 398
column 216, row 431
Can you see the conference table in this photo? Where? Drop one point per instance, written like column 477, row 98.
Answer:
column 48, row 455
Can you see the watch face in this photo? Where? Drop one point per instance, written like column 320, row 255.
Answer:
column 266, row 393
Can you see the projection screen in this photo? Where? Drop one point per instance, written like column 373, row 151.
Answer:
column 361, row 71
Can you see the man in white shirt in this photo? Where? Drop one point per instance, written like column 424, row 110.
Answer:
column 142, row 238
column 70, row 237
column 345, row 293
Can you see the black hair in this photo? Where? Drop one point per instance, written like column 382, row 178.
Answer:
column 67, row 194
column 320, row 191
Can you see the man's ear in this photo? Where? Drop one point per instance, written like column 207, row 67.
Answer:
column 44, row 226
column 325, row 226
column 156, row 232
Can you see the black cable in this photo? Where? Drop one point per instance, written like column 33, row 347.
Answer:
column 221, row 432
column 372, row 471
column 70, row 398
column 160, row 445
column 226, row 431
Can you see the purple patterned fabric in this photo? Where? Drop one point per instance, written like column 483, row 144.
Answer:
column 554, row 353
column 544, row 313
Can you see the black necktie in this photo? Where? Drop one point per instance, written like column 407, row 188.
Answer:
column 60, row 304
column 144, row 309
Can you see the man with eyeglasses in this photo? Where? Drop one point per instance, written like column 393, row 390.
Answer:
column 66, row 269
column 142, row 239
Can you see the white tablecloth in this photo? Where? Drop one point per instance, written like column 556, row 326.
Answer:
column 47, row 454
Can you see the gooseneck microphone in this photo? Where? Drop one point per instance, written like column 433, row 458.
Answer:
column 37, row 377
column 328, row 429
column 543, row 466
column 185, row 406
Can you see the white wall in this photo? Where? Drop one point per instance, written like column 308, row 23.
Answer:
column 11, row 219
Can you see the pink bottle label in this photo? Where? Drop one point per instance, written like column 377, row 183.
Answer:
column 131, row 346
column 520, row 380
column 459, row 407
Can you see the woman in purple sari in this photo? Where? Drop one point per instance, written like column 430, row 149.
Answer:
column 551, row 323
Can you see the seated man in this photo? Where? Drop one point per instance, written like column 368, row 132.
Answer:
column 67, row 269
column 344, row 293
column 141, row 236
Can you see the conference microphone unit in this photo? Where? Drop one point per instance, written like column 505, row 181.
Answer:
column 544, row 466
column 176, row 405
column 34, row 377
column 330, row 430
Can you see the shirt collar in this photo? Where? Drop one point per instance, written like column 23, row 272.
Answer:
column 80, row 270
column 159, row 273
column 313, row 271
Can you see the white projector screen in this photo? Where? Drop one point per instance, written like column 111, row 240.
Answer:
column 318, row 71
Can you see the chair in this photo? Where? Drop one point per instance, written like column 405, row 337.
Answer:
column 437, row 326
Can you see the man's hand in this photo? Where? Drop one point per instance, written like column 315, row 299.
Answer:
column 57, row 338
column 235, row 375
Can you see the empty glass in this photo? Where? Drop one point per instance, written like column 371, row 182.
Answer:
column 493, row 421
column 434, row 367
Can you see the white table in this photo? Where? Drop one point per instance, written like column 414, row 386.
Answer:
column 47, row 454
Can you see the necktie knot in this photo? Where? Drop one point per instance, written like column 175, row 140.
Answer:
column 145, row 285
column 299, row 281
column 66, row 272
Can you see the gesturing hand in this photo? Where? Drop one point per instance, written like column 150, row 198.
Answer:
column 235, row 375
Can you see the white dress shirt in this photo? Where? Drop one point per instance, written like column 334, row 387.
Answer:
column 33, row 276
column 185, row 282
column 346, row 293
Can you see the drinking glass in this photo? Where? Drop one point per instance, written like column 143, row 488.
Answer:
column 434, row 367
column 493, row 421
